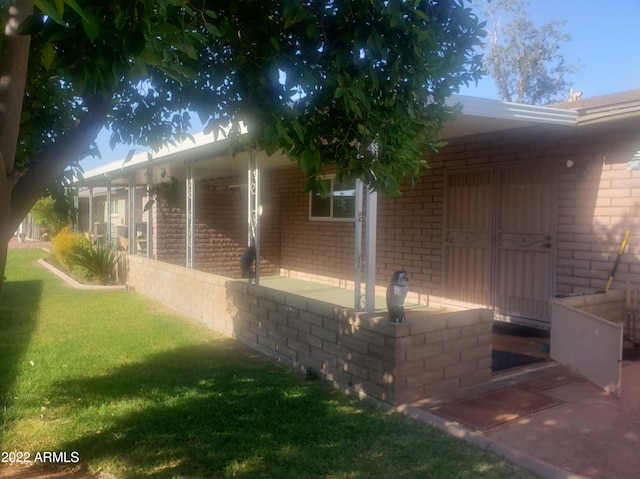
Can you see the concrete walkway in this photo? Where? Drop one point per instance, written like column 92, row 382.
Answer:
column 548, row 420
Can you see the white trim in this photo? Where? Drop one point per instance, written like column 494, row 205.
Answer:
column 493, row 109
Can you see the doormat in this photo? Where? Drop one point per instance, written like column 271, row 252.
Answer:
column 501, row 360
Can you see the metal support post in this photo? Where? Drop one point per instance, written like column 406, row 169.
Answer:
column 254, row 208
column 190, row 204
column 357, row 300
column 370, row 235
column 149, row 213
column 91, row 229
column 108, row 232
column 132, row 216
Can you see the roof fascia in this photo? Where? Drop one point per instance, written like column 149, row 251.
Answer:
column 201, row 146
column 517, row 112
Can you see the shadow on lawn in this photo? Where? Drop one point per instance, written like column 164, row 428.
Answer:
column 211, row 411
column 19, row 304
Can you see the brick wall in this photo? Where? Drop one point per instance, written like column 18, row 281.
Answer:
column 321, row 250
column 395, row 363
column 597, row 200
column 220, row 227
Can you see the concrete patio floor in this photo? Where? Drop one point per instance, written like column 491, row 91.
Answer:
column 547, row 419
column 330, row 294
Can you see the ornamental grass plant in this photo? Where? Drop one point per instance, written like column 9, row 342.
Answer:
column 98, row 260
column 139, row 392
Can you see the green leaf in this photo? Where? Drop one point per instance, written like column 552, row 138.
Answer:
column 49, row 10
column 75, row 7
column 299, row 131
column 48, row 56
column 129, row 156
column 91, row 26
column 307, row 161
column 212, row 30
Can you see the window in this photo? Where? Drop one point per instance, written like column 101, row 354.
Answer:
column 339, row 205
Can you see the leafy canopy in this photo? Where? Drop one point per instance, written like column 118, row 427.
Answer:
column 359, row 84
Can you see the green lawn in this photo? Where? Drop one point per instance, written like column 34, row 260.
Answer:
column 142, row 393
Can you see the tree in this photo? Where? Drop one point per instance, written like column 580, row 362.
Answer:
column 51, row 215
column 360, row 84
column 525, row 60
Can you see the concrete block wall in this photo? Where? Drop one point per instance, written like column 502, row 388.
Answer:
column 614, row 306
column 609, row 305
column 395, row 363
column 196, row 294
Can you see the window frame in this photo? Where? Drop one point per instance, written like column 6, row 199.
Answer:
column 330, row 218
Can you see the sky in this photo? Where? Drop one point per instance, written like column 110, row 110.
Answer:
column 605, row 44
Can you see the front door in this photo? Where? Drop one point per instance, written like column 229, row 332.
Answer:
column 499, row 240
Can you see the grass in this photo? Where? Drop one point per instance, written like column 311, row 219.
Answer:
column 141, row 393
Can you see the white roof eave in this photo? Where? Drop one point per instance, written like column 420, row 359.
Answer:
column 517, row 112
column 168, row 154
column 478, row 115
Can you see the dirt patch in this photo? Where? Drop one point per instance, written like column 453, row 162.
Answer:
column 24, row 471
column 28, row 244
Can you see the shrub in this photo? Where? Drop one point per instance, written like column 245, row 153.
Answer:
column 66, row 244
column 50, row 214
column 99, row 261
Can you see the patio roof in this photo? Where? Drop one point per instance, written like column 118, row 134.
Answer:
column 209, row 156
column 480, row 115
column 616, row 106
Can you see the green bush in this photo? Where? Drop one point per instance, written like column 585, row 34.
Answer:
column 99, row 261
column 66, row 244
column 50, row 214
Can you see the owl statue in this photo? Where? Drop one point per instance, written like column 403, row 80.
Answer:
column 396, row 294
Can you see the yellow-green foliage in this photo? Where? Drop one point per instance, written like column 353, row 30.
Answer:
column 66, row 244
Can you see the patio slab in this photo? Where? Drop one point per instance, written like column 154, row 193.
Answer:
column 337, row 295
column 578, row 431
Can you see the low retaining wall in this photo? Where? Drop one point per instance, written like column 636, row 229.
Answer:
column 609, row 305
column 429, row 354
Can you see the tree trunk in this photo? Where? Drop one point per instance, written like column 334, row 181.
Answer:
column 19, row 192
column 14, row 60
column 16, row 201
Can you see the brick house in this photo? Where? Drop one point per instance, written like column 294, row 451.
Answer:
column 523, row 204
column 510, row 214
